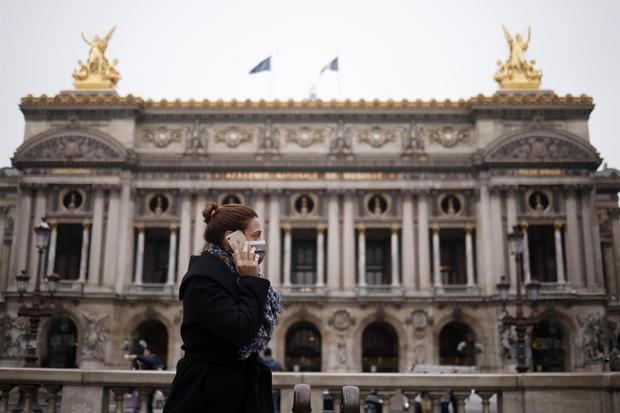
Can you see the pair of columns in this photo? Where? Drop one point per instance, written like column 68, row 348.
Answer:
column 559, row 253
column 84, row 253
column 469, row 257
column 172, row 256
column 361, row 255
column 320, row 257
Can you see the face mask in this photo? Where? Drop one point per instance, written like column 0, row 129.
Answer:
column 260, row 247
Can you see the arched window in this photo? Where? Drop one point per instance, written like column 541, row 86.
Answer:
column 548, row 348
column 457, row 345
column 303, row 347
column 61, row 344
column 155, row 335
column 379, row 348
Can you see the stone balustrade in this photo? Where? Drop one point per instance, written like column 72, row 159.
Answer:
column 102, row 391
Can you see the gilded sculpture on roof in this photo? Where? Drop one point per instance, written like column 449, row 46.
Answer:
column 97, row 72
column 517, row 72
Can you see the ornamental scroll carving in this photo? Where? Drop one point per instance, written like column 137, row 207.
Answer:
column 71, row 148
column 449, row 137
column 162, row 136
column 305, row 137
column 233, row 137
column 376, row 137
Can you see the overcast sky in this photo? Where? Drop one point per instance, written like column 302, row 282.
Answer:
column 387, row 49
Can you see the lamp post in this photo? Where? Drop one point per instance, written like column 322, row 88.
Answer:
column 39, row 307
column 520, row 321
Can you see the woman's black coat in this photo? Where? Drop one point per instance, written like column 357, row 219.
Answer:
column 221, row 313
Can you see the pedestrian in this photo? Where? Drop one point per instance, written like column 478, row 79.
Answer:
column 146, row 361
column 229, row 313
column 273, row 366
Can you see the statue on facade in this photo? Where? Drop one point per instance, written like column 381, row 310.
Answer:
column 340, row 144
column 268, row 139
column 196, row 139
column 596, row 342
column 95, row 338
column 412, row 140
column 14, row 336
column 517, row 72
column 97, row 72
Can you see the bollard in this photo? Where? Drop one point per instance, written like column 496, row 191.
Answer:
column 301, row 399
column 350, row 399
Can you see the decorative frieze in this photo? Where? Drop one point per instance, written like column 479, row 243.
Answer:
column 162, row 137
column 449, row 137
column 233, row 137
column 376, row 136
column 305, row 137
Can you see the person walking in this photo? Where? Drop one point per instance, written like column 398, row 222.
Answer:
column 229, row 313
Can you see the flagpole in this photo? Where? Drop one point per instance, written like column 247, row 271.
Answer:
column 271, row 78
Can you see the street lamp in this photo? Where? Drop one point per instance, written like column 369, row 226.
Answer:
column 38, row 308
column 521, row 322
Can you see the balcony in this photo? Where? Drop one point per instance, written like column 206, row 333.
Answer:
column 110, row 391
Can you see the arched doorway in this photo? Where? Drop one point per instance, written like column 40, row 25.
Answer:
column 155, row 335
column 303, row 347
column 457, row 345
column 61, row 344
column 548, row 348
column 379, row 348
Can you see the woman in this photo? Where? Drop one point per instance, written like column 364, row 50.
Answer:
column 229, row 312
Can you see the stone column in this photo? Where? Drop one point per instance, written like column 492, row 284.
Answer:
column 485, row 248
column 573, row 249
column 51, row 252
column 527, row 273
column 275, row 241
column 84, row 252
column 395, row 256
column 559, row 253
column 469, row 256
column 125, row 237
column 588, row 240
column 39, row 213
column 499, row 246
column 198, row 241
column 408, row 244
column 94, row 266
column 111, row 239
column 437, row 282
column 614, row 217
column 139, row 256
column 320, row 256
column 596, row 242
column 172, row 256
column 185, row 235
column 333, row 243
column 511, row 221
column 348, row 239
column 424, row 272
column 21, row 233
column 287, row 255
column 361, row 256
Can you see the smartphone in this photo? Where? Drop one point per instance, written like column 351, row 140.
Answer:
column 235, row 237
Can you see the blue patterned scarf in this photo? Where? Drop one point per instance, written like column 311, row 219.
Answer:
column 272, row 309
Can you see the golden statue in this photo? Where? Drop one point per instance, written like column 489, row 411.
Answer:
column 97, row 72
column 517, row 72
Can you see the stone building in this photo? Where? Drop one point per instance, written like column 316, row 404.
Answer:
column 386, row 224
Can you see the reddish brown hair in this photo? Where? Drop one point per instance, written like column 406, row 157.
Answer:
column 230, row 217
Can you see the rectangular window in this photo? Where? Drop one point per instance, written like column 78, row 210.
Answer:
column 303, row 265
column 453, row 265
column 68, row 251
column 378, row 258
column 156, row 254
column 541, row 242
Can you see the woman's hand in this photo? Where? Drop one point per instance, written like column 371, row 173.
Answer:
column 245, row 258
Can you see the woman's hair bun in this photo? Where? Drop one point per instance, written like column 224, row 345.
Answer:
column 207, row 212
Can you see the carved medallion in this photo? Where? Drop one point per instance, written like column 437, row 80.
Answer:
column 376, row 137
column 162, row 136
column 419, row 320
column 341, row 320
column 305, row 137
column 449, row 137
column 233, row 137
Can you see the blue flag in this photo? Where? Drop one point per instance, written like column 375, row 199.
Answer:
column 333, row 66
column 264, row 66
